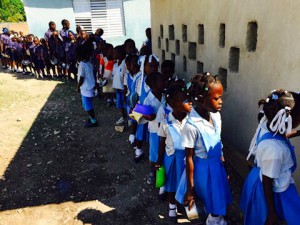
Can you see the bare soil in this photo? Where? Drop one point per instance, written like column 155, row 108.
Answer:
column 54, row 171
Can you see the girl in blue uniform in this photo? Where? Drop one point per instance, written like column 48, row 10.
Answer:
column 171, row 152
column 269, row 193
column 130, row 88
column 205, row 172
column 149, row 64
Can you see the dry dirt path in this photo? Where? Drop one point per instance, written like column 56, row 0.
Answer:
column 53, row 171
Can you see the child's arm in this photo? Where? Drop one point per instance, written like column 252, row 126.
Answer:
column 125, row 93
column 161, row 151
column 81, row 79
column 189, row 195
column 268, row 191
column 294, row 133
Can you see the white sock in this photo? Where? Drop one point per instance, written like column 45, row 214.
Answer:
column 172, row 210
column 161, row 190
column 138, row 152
column 131, row 138
column 214, row 219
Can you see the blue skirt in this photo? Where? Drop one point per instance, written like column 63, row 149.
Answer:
column 153, row 147
column 142, row 133
column 253, row 203
column 174, row 167
column 210, row 184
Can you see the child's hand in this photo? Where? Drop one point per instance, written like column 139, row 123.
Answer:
column 272, row 219
column 150, row 118
column 189, row 198
column 78, row 89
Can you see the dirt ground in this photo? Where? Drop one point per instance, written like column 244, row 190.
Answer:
column 53, row 171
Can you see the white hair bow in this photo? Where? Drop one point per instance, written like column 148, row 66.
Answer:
column 282, row 117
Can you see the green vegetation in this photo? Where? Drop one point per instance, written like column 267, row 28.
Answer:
column 12, row 11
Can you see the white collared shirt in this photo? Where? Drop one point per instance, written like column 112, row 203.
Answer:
column 119, row 72
column 161, row 114
column 155, row 103
column 191, row 137
column 163, row 131
column 274, row 159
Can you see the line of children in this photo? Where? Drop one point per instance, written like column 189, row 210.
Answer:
column 185, row 140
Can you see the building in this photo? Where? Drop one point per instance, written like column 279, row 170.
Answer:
column 120, row 19
column 252, row 45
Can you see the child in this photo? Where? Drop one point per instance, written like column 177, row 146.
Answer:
column 269, row 193
column 70, row 55
column 148, row 42
column 153, row 99
column 171, row 152
column 129, row 46
column 105, row 72
column 46, row 54
column 119, row 71
column 130, row 88
column 86, row 82
column 205, row 173
column 149, row 64
column 39, row 60
column 167, row 69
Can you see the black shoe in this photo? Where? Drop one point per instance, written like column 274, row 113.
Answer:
column 89, row 124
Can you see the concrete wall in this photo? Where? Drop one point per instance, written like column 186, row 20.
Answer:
column 22, row 26
column 137, row 19
column 274, row 64
column 40, row 12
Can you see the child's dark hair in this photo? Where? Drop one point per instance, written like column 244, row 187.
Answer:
column 152, row 79
column 175, row 81
column 175, row 91
column 168, row 63
column 84, row 51
column 276, row 101
column 145, row 50
column 129, row 40
column 121, row 51
column 201, row 83
column 51, row 23
column 107, row 47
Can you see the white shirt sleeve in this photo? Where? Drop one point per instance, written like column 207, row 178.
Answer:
column 81, row 69
column 189, row 136
column 269, row 159
column 162, row 130
column 125, row 79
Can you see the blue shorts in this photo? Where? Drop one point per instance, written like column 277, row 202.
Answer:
column 119, row 98
column 87, row 103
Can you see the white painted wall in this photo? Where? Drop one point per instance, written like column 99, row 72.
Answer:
column 274, row 64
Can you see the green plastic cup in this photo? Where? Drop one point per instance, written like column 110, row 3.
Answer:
column 160, row 177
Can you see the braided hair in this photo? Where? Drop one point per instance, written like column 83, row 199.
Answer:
column 201, row 83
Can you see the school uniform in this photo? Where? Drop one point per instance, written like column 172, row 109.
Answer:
column 153, row 125
column 142, row 133
column 85, row 70
column 274, row 158
column 39, row 57
column 108, row 67
column 118, row 82
column 163, row 111
column 210, row 178
column 174, row 155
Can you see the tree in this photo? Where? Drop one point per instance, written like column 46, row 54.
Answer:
column 12, row 11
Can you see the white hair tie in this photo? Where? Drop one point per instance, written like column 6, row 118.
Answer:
column 278, row 123
column 153, row 56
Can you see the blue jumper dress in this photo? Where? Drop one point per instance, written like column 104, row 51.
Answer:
column 253, row 202
column 210, row 178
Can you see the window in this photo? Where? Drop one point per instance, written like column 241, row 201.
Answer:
column 201, row 34
column 222, row 35
column 251, row 39
column 105, row 14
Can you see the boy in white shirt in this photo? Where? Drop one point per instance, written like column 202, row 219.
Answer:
column 86, row 81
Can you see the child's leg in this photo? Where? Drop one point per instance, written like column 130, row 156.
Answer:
column 88, row 107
